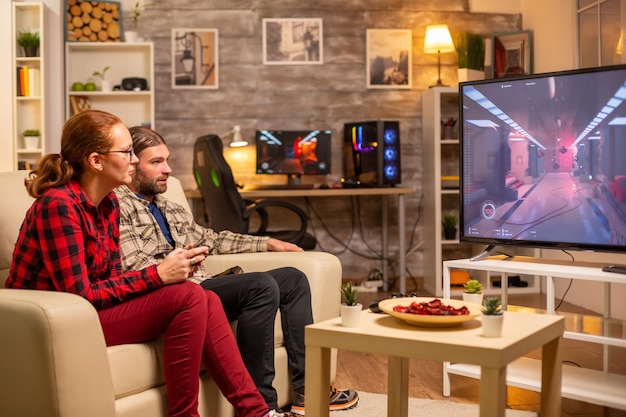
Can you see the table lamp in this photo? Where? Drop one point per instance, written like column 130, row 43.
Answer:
column 236, row 139
column 438, row 40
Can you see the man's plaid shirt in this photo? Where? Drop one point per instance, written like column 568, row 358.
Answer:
column 142, row 243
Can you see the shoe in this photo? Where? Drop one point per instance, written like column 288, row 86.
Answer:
column 339, row 400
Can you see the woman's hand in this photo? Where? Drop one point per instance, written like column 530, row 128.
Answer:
column 276, row 245
column 181, row 264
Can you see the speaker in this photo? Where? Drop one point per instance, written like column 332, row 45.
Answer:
column 373, row 152
column 134, row 84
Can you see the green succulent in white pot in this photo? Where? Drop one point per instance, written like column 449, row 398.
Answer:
column 473, row 292
column 492, row 318
column 350, row 306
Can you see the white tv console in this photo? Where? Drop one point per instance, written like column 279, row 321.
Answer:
column 592, row 386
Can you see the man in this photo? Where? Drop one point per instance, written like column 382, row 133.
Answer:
column 151, row 226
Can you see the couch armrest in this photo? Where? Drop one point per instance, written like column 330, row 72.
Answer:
column 53, row 360
column 322, row 269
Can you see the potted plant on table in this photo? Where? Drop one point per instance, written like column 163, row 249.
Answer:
column 473, row 292
column 29, row 41
column 350, row 306
column 31, row 138
column 449, row 222
column 492, row 318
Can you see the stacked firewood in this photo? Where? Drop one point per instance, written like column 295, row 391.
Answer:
column 93, row 21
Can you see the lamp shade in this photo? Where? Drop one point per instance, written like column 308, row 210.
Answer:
column 438, row 39
column 237, row 139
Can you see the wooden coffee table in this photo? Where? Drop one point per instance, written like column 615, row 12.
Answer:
column 383, row 334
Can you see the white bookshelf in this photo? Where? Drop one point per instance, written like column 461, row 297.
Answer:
column 125, row 60
column 29, row 100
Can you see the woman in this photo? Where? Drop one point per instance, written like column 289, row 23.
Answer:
column 69, row 241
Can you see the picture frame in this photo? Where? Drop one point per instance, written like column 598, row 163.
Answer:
column 195, row 58
column 511, row 54
column 294, row 41
column 93, row 21
column 79, row 103
column 388, row 58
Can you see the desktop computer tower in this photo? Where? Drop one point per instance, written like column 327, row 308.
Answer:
column 372, row 153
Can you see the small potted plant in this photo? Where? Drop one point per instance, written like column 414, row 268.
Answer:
column 105, row 85
column 31, row 138
column 131, row 35
column 350, row 306
column 492, row 317
column 470, row 49
column 473, row 292
column 29, row 41
column 449, row 226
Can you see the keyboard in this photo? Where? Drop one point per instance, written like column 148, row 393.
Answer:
column 253, row 187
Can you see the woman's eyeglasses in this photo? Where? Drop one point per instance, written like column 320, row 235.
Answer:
column 130, row 153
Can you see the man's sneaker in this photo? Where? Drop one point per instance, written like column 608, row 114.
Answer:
column 339, row 400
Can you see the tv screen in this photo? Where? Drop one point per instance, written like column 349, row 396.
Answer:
column 293, row 152
column 543, row 160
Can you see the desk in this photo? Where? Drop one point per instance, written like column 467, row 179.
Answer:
column 383, row 334
column 399, row 192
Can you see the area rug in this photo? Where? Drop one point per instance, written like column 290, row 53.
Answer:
column 375, row 405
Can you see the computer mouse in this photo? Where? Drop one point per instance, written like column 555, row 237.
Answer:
column 324, row 187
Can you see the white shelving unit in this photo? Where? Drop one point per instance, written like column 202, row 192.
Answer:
column 125, row 60
column 440, row 181
column 593, row 386
column 28, row 102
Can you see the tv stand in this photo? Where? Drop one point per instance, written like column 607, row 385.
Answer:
column 490, row 250
column 593, row 386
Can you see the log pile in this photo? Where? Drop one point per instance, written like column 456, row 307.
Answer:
column 93, row 21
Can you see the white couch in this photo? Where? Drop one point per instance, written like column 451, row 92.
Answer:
column 53, row 359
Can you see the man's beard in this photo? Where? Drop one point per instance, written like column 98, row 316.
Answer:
column 148, row 187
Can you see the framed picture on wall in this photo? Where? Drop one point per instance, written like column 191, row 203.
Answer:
column 195, row 58
column 293, row 41
column 388, row 58
column 512, row 53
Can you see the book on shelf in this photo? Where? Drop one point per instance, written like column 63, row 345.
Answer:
column 26, row 90
column 34, row 82
column 19, row 86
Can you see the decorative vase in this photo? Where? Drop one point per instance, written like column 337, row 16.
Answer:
column 351, row 315
column 449, row 233
column 106, row 85
column 31, row 142
column 466, row 74
column 130, row 36
column 492, row 325
column 474, row 298
column 30, row 51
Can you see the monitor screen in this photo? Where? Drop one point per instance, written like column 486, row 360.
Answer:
column 293, row 152
column 543, row 160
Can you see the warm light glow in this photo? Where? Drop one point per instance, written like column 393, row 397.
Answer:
column 438, row 39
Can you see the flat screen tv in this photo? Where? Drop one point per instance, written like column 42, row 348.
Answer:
column 293, row 153
column 543, row 160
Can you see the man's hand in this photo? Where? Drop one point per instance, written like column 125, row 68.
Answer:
column 181, row 264
column 276, row 245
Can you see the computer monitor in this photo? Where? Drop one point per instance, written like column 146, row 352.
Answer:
column 293, row 153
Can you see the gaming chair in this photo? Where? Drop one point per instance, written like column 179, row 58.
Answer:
column 225, row 209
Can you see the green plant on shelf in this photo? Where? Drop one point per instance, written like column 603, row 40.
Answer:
column 32, row 132
column 449, row 221
column 28, row 39
column 101, row 74
column 137, row 8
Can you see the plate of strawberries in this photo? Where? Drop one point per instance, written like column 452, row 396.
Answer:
column 429, row 311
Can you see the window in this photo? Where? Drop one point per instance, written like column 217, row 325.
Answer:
column 599, row 33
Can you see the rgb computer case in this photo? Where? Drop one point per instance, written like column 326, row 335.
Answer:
column 373, row 152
